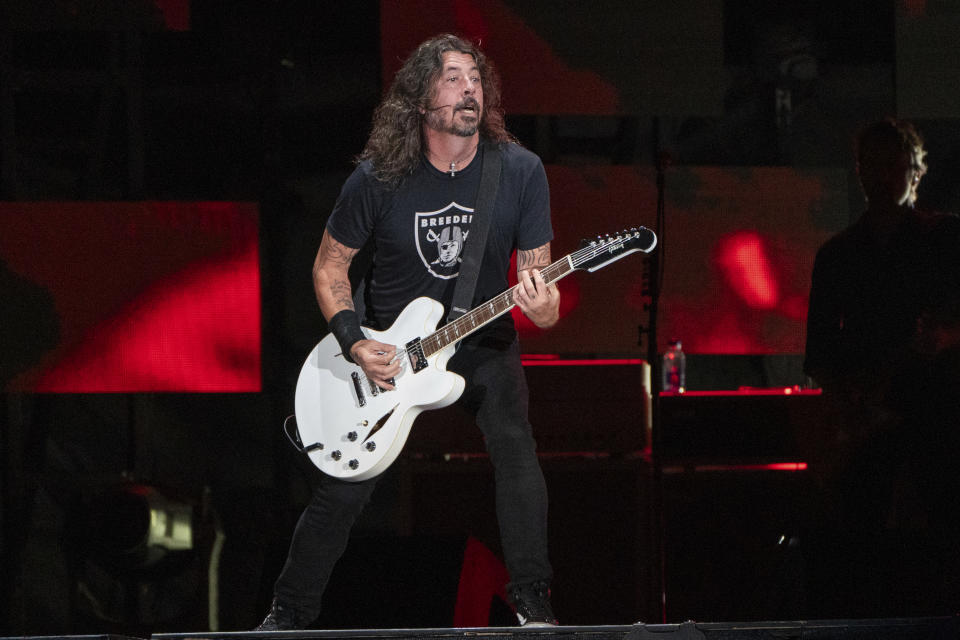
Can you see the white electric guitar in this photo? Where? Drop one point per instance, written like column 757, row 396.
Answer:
column 352, row 429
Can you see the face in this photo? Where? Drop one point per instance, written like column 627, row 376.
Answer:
column 893, row 181
column 457, row 102
column 448, row 251
column 912, row 174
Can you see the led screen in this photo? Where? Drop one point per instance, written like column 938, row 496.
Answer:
column 738, row 248
column 130, row 297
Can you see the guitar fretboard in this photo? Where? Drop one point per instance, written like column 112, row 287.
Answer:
column 473, row 320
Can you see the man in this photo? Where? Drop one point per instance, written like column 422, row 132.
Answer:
column 419, row 173
column 884, row 312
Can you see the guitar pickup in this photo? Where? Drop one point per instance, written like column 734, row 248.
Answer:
column 418, row 361
column 358, row 388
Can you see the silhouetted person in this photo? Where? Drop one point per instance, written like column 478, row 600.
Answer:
column 882, row 329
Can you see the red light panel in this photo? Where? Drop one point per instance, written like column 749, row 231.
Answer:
column 148, row 296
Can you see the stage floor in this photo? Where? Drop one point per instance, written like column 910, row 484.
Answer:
column 937, row 628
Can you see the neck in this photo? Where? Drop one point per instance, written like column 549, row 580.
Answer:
column 449, row 153
column 887, row 210
column 884, row 218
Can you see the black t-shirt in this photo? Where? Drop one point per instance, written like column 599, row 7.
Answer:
column 419, row 229
column 866, row 298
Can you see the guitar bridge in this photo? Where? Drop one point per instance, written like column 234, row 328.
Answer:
column 418, row 362
column 375, row 389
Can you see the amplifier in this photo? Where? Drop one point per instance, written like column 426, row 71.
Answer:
column 764, row 424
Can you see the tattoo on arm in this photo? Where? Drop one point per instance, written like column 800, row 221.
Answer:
column 331, row 285
column 342, row 293
column 333, row 251
column 535, row 258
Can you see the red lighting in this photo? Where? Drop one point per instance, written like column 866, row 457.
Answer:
column 553, row 360
column 176, row 14
column 785, row 466
column 762, row 466
column 743, row 260
column 482, row 576
column 569, row 289
column 747, row 391
column 193, row 331
column 143, row 296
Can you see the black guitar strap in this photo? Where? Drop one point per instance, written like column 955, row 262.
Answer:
column 491, row 165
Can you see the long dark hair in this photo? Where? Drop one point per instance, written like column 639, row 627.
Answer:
column 396, row 142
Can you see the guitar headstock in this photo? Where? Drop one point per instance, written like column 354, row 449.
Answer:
column 602, row 250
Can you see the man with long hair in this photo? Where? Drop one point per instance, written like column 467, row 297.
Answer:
column 416, row 181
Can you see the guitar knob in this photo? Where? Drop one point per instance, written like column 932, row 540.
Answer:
column 371, row 445
column 336, row 455
column 352, row 436
column 354, row 464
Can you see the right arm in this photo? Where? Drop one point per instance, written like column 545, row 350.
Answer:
column 331, row 280
column 331, row 284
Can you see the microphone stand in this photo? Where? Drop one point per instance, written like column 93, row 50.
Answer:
column 655, row 263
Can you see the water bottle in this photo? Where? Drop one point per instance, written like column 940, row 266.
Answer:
column 674, row 368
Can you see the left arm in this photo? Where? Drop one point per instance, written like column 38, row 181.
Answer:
column 539, row 301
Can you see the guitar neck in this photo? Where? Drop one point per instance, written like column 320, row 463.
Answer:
column 591, row 257
column 490, row 310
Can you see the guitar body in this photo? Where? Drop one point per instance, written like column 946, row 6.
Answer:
column 362, row 429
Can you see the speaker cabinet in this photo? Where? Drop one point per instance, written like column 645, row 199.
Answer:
column 732, row 537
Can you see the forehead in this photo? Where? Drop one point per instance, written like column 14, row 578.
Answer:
column 455, row 60
column 885, row 152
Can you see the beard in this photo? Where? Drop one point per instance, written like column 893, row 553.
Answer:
column 456, row 126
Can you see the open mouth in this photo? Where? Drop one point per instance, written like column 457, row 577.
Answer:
column 470, row 108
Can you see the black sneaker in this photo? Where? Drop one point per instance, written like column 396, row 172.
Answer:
column 281, row 618
column 532, row 604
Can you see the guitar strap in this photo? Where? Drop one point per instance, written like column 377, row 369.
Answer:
column 490, row 169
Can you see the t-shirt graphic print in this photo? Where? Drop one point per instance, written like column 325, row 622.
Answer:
column 441, row 236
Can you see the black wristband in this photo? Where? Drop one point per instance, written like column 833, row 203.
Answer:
column 345, row 327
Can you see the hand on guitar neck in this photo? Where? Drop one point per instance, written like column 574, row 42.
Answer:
column 539, row 301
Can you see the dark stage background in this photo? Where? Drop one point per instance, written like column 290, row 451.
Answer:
column 166, row 169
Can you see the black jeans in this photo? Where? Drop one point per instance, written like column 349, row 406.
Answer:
column 496, row 393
